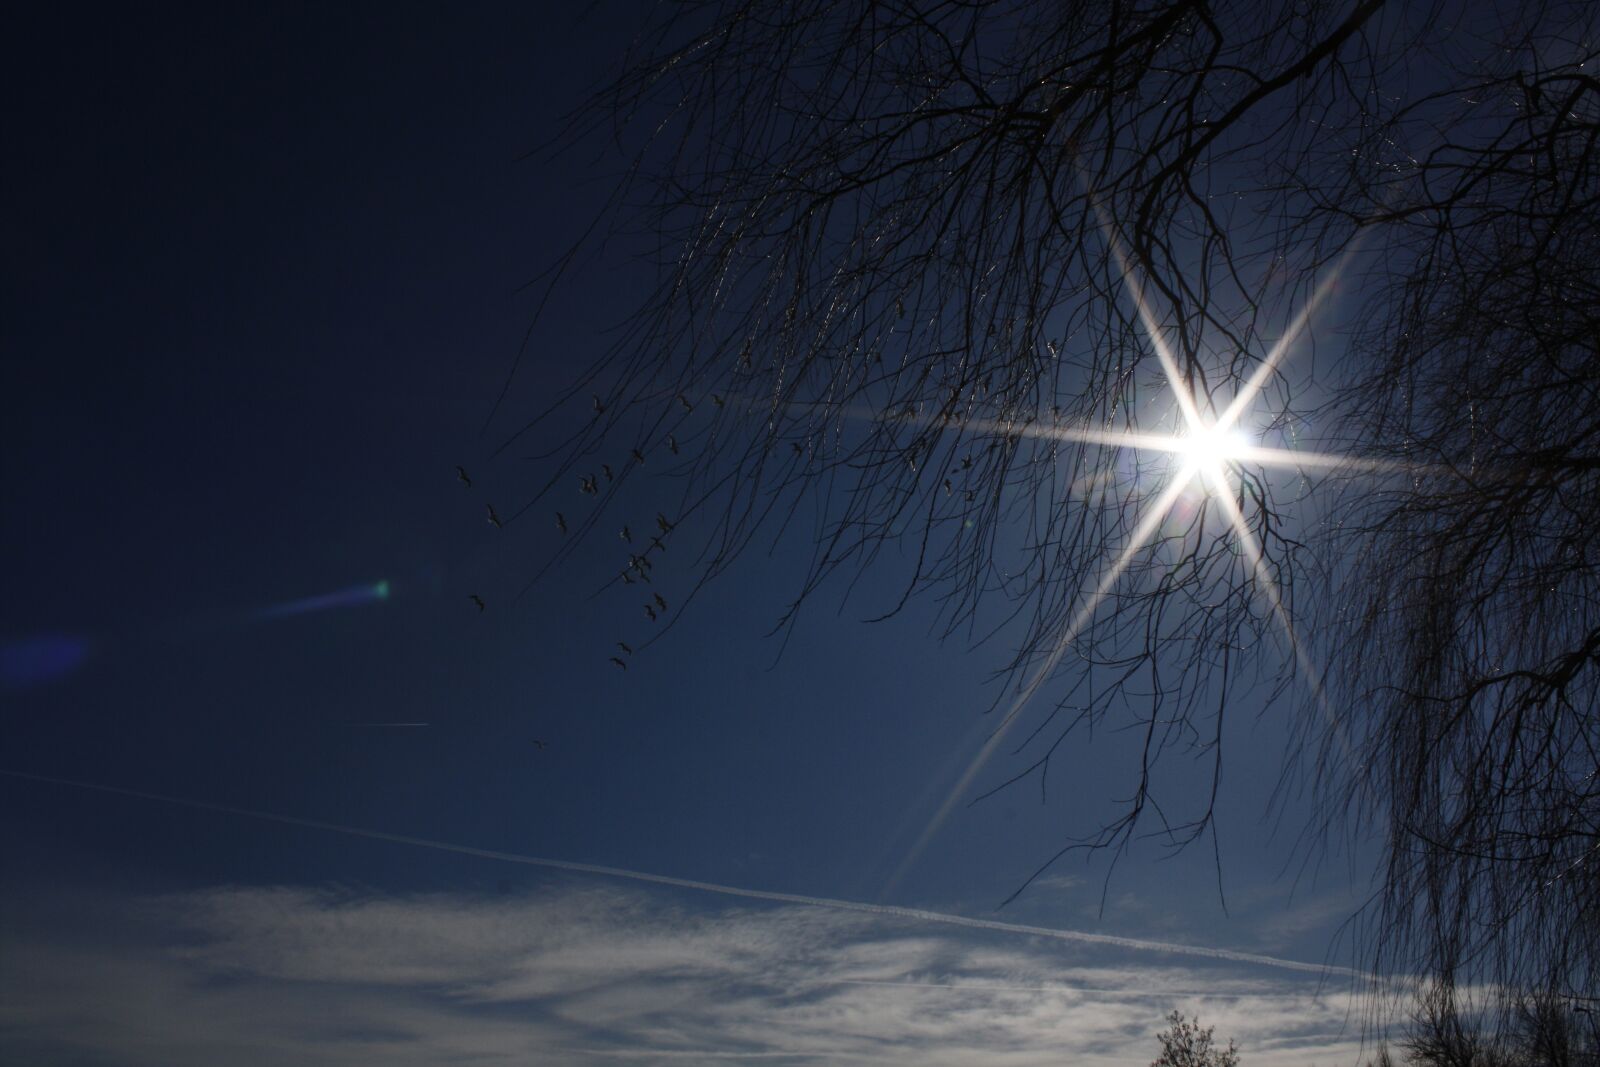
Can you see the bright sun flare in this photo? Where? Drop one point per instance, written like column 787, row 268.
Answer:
column 1208, row 450
column 1206, row 447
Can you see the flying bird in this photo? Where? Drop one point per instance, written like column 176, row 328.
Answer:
column 627, row 651
column 561, row 522
column 606, row 469
column 661, row 601
column 685, row 402
column 638, row 457
column 672, row 444
column 588, row 484
column 656, row 542
column 478, row 600
column 650, row 611
column 717, row 400
column 619, row 663
column 538, row 744
column 494, row 517
column 599, row 408
column 662, row 523
column 461, row 476
column 627, row 534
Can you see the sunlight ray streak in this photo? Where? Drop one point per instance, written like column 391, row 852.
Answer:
column 1308, row 669
column 1136, row 541
column 1169, row 364
column 1297, row 325
column 1173, row 444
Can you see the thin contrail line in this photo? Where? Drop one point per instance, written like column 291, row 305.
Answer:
column 887, row 910
column 1068, row 990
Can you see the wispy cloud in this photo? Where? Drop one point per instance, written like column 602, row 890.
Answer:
column 586, row 972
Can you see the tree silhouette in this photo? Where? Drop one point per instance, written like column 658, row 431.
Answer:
column 1033, row 300
column 1185, row 1044
column 1539, row 1030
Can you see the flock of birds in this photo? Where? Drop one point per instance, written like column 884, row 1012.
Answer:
column 639, row 564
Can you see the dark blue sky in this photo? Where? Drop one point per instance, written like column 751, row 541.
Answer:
column 262, row 289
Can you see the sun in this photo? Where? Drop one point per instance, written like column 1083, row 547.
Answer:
column 1208, row 450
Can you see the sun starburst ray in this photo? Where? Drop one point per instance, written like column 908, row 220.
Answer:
column 1258, row 379
column 1136, row 541
column 1310, row 673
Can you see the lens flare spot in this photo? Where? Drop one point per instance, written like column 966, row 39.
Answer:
column 355, row 596
column 38, row 660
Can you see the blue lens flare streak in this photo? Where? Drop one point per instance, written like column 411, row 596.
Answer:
column 34, row 661
column 355, row 596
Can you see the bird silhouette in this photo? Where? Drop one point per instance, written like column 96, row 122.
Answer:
column 461, row 476
column 650, row 611
column 717, row 400
column 662, row 523
column 661, row 601
column 797, row 449
column 627, row 577
column 561, row 522
column 605, row 468
column 672, row 444
column 656, row 542
column 588, row 484
column 638, row 457
column 538, row 744
column 494, row 517
column 685, row 402
column 478, row 600
column 619, row 663
column 947, row 487
column 627, row 534
column 627, row 651
column 599, row 408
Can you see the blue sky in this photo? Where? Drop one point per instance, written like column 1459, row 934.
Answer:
column 266, row 288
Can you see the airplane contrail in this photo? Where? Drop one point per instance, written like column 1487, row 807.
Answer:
column 1069, row 990
column 860, row 907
